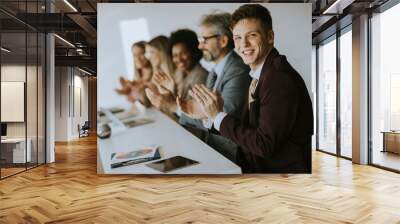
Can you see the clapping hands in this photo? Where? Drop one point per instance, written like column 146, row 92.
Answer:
column 159, row 100
column 205, row 103
column 191, row 108
column 210, row 102
column 164, row 82
column 131, row 89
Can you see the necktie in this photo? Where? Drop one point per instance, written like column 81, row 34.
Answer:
column 212, row 80
column 252, row 88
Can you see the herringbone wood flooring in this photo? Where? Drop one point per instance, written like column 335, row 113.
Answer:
column 70, row 191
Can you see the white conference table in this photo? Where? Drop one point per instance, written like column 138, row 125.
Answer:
column 173, row 140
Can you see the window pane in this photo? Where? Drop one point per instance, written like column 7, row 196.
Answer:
column 386, row 89
column 327, row 97
column 41, row 98
column 31, row 97
column 314, row 91
column 346, row 94
column 31, row 88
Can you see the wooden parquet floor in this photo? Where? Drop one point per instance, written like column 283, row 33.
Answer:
column 70, row 191
column 10, row 171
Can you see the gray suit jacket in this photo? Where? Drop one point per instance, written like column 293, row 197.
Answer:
column 233, row 86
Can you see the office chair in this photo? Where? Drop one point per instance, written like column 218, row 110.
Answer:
column 84, row 130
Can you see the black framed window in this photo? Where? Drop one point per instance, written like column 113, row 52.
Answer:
column 326, row 95
column 345, row 93
column 334, row 94
column 384, row 100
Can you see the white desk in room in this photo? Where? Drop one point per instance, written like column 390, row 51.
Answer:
column 173, row 139
column 18, row 149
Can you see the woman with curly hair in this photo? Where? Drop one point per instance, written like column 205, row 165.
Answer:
column 185, row 54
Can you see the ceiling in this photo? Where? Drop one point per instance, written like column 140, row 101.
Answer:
column 76, row 22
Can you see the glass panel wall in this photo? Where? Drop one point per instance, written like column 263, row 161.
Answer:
column 41, row 88
column 385, row 89
column 22, row 92
column 13, row 108
column 327, row 95
column 31, row 98
column 346, row 93
column 41, row 96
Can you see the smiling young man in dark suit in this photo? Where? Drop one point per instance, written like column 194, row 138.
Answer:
column 275, row 129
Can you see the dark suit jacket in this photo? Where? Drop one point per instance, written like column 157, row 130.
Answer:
column 275, row 133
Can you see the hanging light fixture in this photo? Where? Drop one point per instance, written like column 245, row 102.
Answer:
column 70, row 5
column 5, row 50
column 64, row 40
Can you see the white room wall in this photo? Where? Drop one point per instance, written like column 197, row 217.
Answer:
column 33, row 126
column 69, row 79
column 16, row 73
column 120, row 25
column 79, row 117
column 61, row 103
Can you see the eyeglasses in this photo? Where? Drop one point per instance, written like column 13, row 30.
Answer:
column 204, row 39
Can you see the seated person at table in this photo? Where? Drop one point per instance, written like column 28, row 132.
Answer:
column 228, row 76
column 155, row 52
column 275, row 129
column 143, row 67
column 134, row 90
column 185, row 55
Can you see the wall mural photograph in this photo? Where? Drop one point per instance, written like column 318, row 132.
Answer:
column 215, row 89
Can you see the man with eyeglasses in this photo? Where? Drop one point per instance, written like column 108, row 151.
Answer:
column 228, row 77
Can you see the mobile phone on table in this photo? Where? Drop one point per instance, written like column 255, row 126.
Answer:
column 173, row 163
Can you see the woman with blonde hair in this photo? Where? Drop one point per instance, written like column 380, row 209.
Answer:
column 142, row 66
column 156, row 53
column 142, row 73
